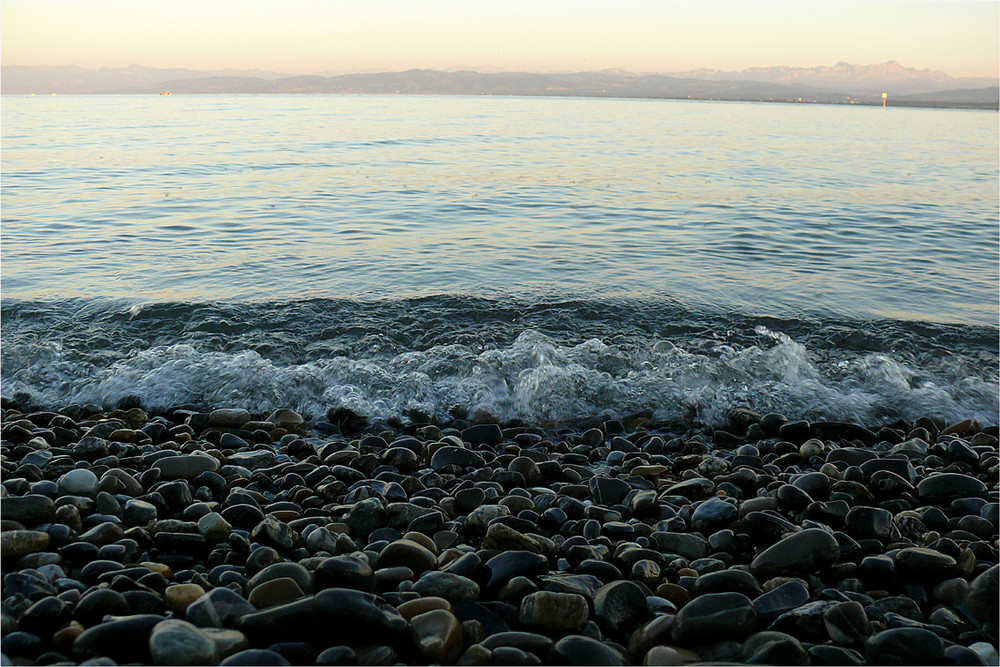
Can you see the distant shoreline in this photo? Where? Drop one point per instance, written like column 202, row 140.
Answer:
column 911, row 104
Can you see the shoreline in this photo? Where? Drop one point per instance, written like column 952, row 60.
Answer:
column 224, row 537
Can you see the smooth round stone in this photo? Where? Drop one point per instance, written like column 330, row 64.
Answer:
column 479, row 519
column 176, row 642
column 942, row 488
column 470, row 498
column 413, row 608
column 275, row 592
column 774, row 648
column 219, row 608
column 124, row 639
column 728, row 581
column 663, row 656
column 93, row 606
column 456, row 456
column 504, row 538
column 986, row 652
column 555, row 611
column 294, row 571
column 488, row 434
column 924, row 564
column 45, row 616
column 847, row 623
column 446, row 585
column 347, row 571
column 29, row 510
column 185, row 466
column 580, row 650
column 504, row 567
column 593, row 437
column 803, row 552
column 713, row 514
column 714, row 616
column 438, row 635
column 138, row 512
column 20, row 645
column 337, row 655
column 904, row 646
column 618, row 606
column 407, row 553
column 17, row 543
column 982, row 596
column 214, row 528
column 869, row 522
column 608, row 490
column 286, row 419
column 229, row 417
column 179, row 596
column 78, row 482
column 253, row 657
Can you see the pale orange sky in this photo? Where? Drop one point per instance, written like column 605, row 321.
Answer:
column 299, row 36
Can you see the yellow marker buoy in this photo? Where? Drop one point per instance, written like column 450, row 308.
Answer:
column 884, row 95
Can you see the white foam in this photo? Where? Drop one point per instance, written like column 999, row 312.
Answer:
column 535, row 378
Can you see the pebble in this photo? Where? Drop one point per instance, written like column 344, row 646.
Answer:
column 244, row 538
column 176, row 642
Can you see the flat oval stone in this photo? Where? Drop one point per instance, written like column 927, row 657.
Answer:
column 802, row 552
column 17, row 543
column 580, row 650
column 407, row 553
column 186, row 466
column 177, row 642
column 715, row 616
column 904, row 646
column 942, row 488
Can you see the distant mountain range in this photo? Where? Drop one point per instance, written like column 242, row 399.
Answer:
column 842, row 83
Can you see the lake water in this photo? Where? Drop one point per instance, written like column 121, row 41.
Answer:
column 543, row 258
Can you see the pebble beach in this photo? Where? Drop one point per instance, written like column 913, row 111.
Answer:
column 202, row 537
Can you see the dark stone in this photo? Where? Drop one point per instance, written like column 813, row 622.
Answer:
column 580, row 650
column 253, row 657
column 218, row 608
column 715, row 616
column 981, row 598
column 619, row 606
column 804, row 552
column 346, row 571
column 123, row 639
column 868, row 522
column 488, row 434
column 608, row 490
column 904, row 646
column 457, row 456
column 510, row 564
column 942, row 488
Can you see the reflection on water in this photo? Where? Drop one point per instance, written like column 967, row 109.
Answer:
column 773, row 209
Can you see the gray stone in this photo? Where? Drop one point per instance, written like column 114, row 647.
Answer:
column 186, row 466
column 78, row 482
column 176, row 642
column 446, row 585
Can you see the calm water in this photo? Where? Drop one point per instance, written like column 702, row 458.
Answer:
column 534, row 257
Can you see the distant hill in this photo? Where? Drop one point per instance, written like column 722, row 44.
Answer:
column 611, row 83
column 69, row 79
column 888, row 77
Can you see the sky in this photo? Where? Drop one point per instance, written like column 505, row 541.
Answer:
column 311, row 36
